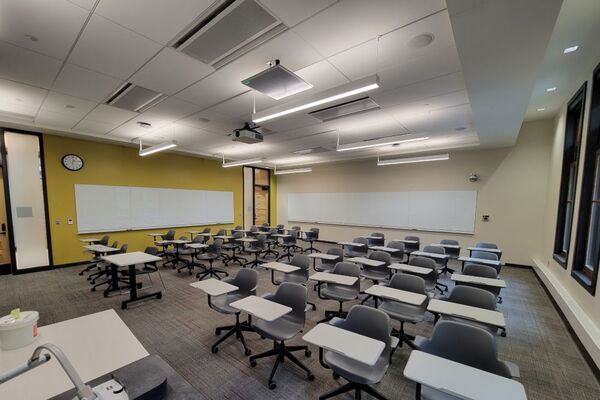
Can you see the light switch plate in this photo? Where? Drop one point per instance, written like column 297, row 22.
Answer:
column 70, row 221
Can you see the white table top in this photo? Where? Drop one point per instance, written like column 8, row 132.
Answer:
column 333, row 278
column 410, row 268
column 401, row 296
column 281, row 267
column 154, row 234
column 240, row 230
column 406, row 241
column 224, row 237
column 245, row 239
column 179, row 241
column 127, row 259
column 95, row 344
column 162, row 242
column 446, row 246
column 100, row 248
column 206, row 234
column 323, row 256
column 261, row 308
column 484, row 249
column 478, row 280
column 214, row 287
column 373, row 237
column 365, row 261
column 90, row 240
column 352, row 244
column 196, row 245
column 430, row 255
column 490, row 317
column 461, row 380
column 384, row 248
column 352, row 345
column 480, row 261
column 281, row 235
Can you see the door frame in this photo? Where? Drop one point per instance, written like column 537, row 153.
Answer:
column 13, row 259
column 254, row 185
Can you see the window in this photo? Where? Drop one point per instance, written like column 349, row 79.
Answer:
column 585, row 264
column 568, row 183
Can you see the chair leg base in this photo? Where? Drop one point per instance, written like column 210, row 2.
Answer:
column 210, row 272
column 281, row 351
column 236, row 329
column 356, row 387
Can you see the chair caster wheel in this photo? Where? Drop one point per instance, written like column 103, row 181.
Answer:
column 214, row 350
column 310, row 377
column 252, row 363
column 105, row 295
column 93, row 289
column 139, row 285
column 159, row 296
column 248, row 352
column 307, row 353
column 272, row 385
column 335, row 376
column 503, row 334
column 217, row 332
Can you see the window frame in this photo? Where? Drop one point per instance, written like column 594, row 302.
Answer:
column 571, row 151
column 591, row 172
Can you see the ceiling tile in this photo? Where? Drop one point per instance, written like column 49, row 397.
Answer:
column 242, row 104
column 85, row 83
column 56, row 120
column 322, row 75
column 89, row 126
column 170, row 71
column 212, row 122
column 111, row 49
column 67, row 105
column 212, row 89
column 54, row 25
column 444, row 119
column 19, row 98
column 351, row 22
column 171, row 109
column 159, row 20
column 25, row 66
column 108, row 114
column 184, row 135
column 290, row 12
column 87, row 4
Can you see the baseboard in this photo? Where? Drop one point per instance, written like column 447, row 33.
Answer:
column 47, row 268
column 5, row 269
column 587, row 332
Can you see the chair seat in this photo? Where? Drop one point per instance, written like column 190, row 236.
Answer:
column 355, row 371
column 374, row 275
column 339, row 292
column 222, row 303
column 351, row 253
column 283, row 328
column 402, row 311
column 293, row 278
column 324, row 267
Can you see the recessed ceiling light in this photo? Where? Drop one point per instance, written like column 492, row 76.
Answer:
column 420, row 41
column 541, row 109
column 31, row 37
column 570, row 49
column 70, row 106
column 203, row 119
column 145, row 125
column 551, row 89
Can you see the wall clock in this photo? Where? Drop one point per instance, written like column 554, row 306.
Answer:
column 72, row 162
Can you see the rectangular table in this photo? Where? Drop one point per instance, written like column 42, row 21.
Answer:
column 482, row 315
column 413, row 269
column 279, row 267
column 352, row 345
column 214, row 287
column 402, row 296
column 497, row 251
column 493, row 263
column 446, row 246
column 96, row 344
column 478, row 280
column 344, row 244
column 261, row 308
column 100, row 249
column 90, row 240
column 321, row 256
column 427, row 254
column 333, row 278
column 366, row 261
column 406, row 241
column 391, row 250
column 154, row 235
column 460, row 380
column 130, row 260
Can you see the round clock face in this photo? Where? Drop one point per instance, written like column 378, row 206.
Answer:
column 72, row 162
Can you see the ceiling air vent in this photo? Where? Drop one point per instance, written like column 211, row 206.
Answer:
column 345, row 109
column 313, row 150
column 135, row 98
column 230, row 29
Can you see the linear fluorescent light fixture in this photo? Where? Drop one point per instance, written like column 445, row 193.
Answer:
column 409, row 160
column 156, row 148
column 377, row 143
column 348, row 90
column 240, row 163
column 292, row 171
column 570, row 49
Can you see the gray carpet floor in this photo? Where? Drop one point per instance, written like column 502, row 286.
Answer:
column 180, row 328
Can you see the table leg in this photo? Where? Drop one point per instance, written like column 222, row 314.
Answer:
column 133, row 297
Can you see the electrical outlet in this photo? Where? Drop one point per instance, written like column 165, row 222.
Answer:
column 485, row 218
column 57, row 222
column 70, row 221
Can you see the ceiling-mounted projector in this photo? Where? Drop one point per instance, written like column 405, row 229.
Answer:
column 247, row 134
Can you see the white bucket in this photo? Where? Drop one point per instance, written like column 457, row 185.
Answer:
column 17, row 333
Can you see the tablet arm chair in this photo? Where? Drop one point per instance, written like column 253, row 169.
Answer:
column 340, row 293
column 300, row 276
column 328, row 265
column 484, row 271
column 452, row 252
column 280, row 228
column 465, row 344
column 246, row 280
column 289, row 245
column 358, row 251
column 213, row 251
column 399, row 255
column 410, row 247
column 103, row 271
column 271, row 243
column 311, row 235
column 284, row 328
column 256, row 248
column 376, row 274
column 484, row 255
column 368, row 322
column 234, row 245
column 377, row 239
column 431, row 280
column 441, row 265
column 95, row 260
column 189, row 252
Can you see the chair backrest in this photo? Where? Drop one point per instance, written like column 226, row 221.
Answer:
column 238, row 227
column 313, row 233
column 413, row 246
column 246, row 280
column 254, row 228
column 465, row 344
column 484, row 255
column 292, row 238
column 206, row 230
column 472, row 296
column 280, row 226
column 115, row 244
column 370, row 322
column 348, row 269
column 451, row 251
column 170, row 235
column 124, row 248
column 434, row 249
column 238, row 235
column 198, row 239
column 104, row 240
column 377, row 242
column 261, row 242
column 449, row 241
column 485, row 245
column 301, row 261
column 380, row 256
column 221, row 232
column 484, row 271
column 394, row 244
column 294, row 296
column 182, row 237
column 215, row 247
column 409, row 283
column 360, row 249
column 335, row 251
column 425, row 262
column 151, row 250
column 297, row 230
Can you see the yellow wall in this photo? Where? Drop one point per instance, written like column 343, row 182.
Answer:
column 106, row 164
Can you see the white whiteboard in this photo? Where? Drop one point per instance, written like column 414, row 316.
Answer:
column 446, row 211
column 102, row 208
